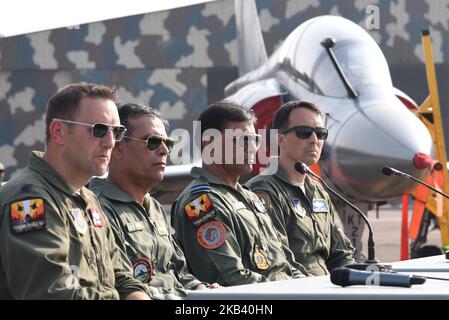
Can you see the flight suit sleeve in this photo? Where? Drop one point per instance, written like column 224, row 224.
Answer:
column 222, row 264
column 35, row 263
column 341, row 251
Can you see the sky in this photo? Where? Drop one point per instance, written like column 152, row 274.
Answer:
column 27, row 16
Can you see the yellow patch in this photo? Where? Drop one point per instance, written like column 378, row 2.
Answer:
column 199, row 207
column 27, row 215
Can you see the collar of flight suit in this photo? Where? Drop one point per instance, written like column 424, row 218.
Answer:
column 43, row 168
column 309, row 184
column 111, row 191
column 204, row 175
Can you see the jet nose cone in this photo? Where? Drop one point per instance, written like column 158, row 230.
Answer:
column 376, row 136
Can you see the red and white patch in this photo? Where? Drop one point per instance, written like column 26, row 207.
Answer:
column 211, row 235
column 96, row 217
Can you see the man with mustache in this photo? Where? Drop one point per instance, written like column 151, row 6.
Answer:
column 55, row 242
column 138, row 220
column 222, row 227
column 299, row 207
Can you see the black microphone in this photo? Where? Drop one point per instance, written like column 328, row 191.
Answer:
column 372, row 262
column 347, row 277
column 388, row 171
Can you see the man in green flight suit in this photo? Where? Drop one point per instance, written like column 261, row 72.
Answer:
column 55, row 242
column 223, row 228
column 138, row 220
column 299, row 207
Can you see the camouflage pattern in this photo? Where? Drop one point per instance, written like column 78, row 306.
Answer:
column 181, row 59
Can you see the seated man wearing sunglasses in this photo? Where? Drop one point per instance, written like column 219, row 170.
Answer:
column 138, row 220
column 55, row 242
column 223, row 228
column 299, row 207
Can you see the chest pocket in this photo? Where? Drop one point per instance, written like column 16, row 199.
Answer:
column 302, row 221
column 161, row 228
column 249, row 218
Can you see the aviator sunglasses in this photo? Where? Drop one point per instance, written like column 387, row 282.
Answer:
column 153, row 142
column 99, row 130
column 304, row 132
column 247, row 139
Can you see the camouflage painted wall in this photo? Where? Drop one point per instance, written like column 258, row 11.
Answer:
column 178, row 60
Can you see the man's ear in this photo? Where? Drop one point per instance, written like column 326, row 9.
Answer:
column 118, row 150
column 281, row 140
column 58, row 132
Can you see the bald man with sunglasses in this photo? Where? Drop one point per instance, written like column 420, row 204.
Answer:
column 300, row 208
column 55, row 241
column 138, row 220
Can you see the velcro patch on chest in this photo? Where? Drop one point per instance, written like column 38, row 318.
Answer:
column 320, row 205
column 211, row 235
column 200, row 210
column 27, row 215
column 96, row 217
column 79, row 220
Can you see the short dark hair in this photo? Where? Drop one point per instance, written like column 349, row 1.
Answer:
column 281, row 117
column 220, row 113
column 135, row 110
column 64, row 104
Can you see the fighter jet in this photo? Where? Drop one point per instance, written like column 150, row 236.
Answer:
column 337, row 65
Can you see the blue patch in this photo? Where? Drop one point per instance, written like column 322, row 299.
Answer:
column 26, row 188
column 295, row 202
column 320, row 205
column 200, row 187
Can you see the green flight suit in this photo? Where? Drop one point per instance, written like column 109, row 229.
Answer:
column 226, row 235
column 55, row 242
column 142, row 234
column 307, row 223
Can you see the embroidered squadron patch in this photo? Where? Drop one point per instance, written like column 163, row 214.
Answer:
column 96, row 217
column 320, row 205
column 211, row 235
column 27, row 215
column 299, row 209
column 142, row 269
column 260, row 259
column 200, row 210
column 80, row 220
column 265, row 200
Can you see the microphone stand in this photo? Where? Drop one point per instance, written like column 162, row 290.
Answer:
column 372, row 264
column 391, row 171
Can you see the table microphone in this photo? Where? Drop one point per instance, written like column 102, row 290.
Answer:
column 388, row 171
column 372, row 263
column 347, row 277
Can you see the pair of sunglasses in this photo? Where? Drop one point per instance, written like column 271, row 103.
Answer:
column 99, row 130
column 153, row 142
column 247, row 139
column 304, row 132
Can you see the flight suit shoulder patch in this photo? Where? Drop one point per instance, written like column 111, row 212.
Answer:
column 200, row 210
column 264, row 199
column 27, row 215
column 211, row 235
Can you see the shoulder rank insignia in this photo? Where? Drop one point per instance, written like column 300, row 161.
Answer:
column 320, row 205
column 96, row 217
column 79, row 220
column 211, row 235
column 264, row 199
column 142, row 269
column 260, row 259
column 200, row 210
column 27, row 215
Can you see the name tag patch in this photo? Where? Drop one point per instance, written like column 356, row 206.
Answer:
column 320, row 205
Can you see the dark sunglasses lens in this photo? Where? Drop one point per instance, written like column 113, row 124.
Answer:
column 99, row 130
column 169, row 143
column 303, row 132
column 154, row 143
column 321, row 133
column 119, row 133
